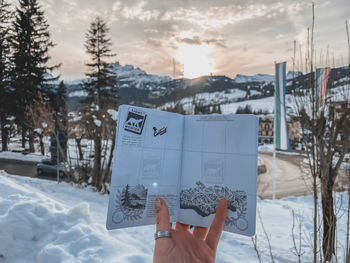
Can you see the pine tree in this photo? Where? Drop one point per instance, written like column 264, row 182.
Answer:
column 30, row 43
column 101, row 89
column 125, row 196
column 5, row 20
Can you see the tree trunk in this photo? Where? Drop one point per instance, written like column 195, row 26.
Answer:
column 42, row 147
column 348, row 222
column 329, row 220
column 81, row 155
column 97, row 162
column 23, row 138
column 4, row 132
column 110, row 156
column 315, row 217
column 107, row 171
column 31, row 142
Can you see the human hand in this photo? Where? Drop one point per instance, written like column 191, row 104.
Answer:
column 184, row 246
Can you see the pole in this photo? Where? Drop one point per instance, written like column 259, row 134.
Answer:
column 57, row 162
column 274, row 148
column 274, row 158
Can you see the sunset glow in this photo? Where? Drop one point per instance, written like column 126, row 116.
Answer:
column 195, row 59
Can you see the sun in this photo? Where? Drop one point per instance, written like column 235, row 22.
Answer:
column 195, row 59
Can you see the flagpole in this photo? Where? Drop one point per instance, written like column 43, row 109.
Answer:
column 274, row 147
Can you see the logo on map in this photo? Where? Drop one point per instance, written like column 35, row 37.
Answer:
column 135, row 121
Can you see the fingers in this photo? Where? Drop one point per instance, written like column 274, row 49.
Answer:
column 218, row 225
column 182, row 227
column 200, row 232
column 163, row 217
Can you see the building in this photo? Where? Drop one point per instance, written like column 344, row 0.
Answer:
column 266, row 130
column 341, row 108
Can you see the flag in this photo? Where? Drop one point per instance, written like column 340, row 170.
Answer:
column 322, row 77
column 281, row 138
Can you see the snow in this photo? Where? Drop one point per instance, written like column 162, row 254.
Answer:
column 266, row 104
column 97, row 123
column 42, row 221
column 30, row 157
column 220, row 97
column 78, row 93
column 269, row 148
column 38, row 130
column 255, row 78
column 207, row 98
column 342, row 80
column 113, row 113
column 265, row 148
column 75, row 116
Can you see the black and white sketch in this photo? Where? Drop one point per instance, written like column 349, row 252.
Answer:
column 135, row 121
column 213, row 171
column 204, row 199
column 130, row 203
column 151, row 168
column 159, row 132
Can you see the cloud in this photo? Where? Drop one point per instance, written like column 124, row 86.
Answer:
column 220, row 16
column 138, row 11
column 196, row 40
column 154, row 42
column 244, row 36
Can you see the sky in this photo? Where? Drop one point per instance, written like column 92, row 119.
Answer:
column 199, row 37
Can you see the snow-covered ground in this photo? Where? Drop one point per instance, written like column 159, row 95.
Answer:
column 228, row 104
column 42, row 221
column 31, row 157
column 265, row 104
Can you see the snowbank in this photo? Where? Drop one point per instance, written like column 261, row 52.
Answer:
column 31, row 157
column 36, row 227
column 42, row 221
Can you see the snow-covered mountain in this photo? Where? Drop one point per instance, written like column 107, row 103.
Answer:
column 263, row 77
column 255, row 78
column 136, row 76
column 139, row 88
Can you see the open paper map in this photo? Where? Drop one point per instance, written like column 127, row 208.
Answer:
column 190, row 161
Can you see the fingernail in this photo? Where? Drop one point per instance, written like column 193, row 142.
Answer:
column 158, row 204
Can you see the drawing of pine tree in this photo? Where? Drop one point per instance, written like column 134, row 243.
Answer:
column 125, row 196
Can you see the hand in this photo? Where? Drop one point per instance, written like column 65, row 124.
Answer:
column 184, row 246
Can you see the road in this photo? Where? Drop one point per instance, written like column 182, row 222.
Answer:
column 23, row 168
column 292, row 174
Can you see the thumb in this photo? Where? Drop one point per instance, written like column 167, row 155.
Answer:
column 163, row 217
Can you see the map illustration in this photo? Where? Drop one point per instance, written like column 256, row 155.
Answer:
column 203, row 200
column 130, row 203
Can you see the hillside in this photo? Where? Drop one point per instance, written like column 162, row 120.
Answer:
column 142, row 89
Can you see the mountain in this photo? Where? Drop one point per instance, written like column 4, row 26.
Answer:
column 129, row 75
column 255, row 78
column 263, row 77
column 139, row 88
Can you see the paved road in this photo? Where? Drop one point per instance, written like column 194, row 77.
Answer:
column 23, row 168
column 292, row 176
